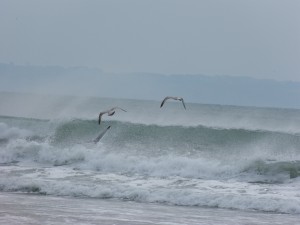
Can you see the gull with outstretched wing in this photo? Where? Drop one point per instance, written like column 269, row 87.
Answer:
column 109, row 112
column 175, row 98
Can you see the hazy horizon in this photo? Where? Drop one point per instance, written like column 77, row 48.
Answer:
column 91, row 82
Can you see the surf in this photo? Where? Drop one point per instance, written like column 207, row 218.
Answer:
column 202, row 158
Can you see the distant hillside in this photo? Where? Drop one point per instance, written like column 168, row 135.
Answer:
column 81, row 81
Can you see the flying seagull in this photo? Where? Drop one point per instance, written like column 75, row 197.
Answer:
column 109, row 112
column 175, row 98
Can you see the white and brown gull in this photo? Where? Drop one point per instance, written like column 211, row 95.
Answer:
column 109, row 112
column 174, row 98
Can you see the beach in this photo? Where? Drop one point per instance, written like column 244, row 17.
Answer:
column 16, row 208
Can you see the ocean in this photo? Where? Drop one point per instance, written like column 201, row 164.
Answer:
column 208, row 164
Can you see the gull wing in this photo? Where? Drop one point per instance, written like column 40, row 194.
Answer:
column 163, row 102
column 121, row 109
column 183, row 104
column 118, row 108
column 97, row 139
column 100, row 115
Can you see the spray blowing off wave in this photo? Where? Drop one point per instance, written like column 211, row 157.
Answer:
column 179, row 139
column 149, row 113
column 157, row 140
column 197, row 152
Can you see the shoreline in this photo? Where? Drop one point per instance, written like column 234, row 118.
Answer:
column 20, row 208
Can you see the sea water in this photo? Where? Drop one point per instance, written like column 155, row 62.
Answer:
column 208, row 164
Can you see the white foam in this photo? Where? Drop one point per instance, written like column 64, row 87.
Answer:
column 7, row 132
column 172, row 190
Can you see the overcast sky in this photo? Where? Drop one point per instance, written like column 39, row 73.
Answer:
column 256, row 38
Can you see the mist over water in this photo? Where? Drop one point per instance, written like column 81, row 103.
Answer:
column 207, row 155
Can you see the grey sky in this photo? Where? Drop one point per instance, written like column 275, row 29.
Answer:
column 256, row 38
